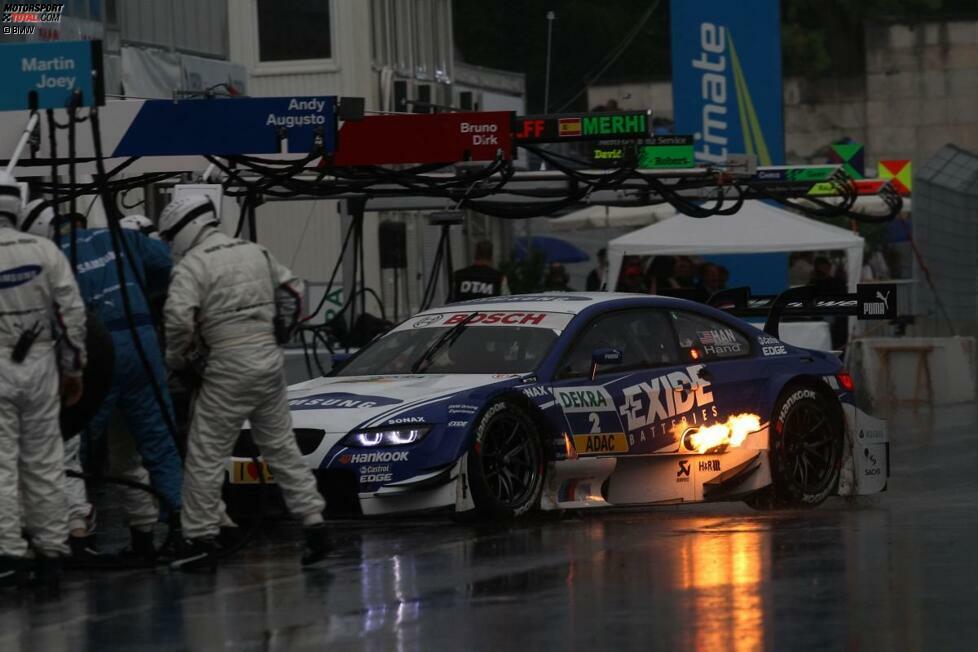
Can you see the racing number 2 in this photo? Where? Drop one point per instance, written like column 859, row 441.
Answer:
column 595, row 423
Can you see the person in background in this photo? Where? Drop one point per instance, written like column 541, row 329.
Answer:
column 480, row 279
column 229, row 308
column 800, row 268
column 148, row 415
column 825, row 282
column 42, row 354
column 823, row 278
column 598, row 278
column 724, row 277
column 684, row 273
column 659, row 274
column 709, row 279
column 557, row 279
column 631, row 278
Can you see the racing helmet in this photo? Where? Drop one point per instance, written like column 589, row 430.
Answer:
column 184, row 220
column 39, row 219
column 140, row 223
column 10, row 200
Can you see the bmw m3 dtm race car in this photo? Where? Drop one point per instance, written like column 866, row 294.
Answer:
column 567, row 400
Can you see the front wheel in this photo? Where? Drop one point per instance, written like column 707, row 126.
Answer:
column 806, row 451
column 505, row 462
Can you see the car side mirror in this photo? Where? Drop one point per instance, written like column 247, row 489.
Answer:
column 604, row 356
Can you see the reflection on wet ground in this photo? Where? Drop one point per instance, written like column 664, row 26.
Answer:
column 896, row 571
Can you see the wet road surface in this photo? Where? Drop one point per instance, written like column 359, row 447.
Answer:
column 892, row 572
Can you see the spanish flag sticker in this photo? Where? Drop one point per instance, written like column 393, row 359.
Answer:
column 568, row 127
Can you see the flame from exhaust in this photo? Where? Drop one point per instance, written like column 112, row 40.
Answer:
column 731, row 434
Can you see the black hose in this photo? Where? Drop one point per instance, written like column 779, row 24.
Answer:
column 116, row 234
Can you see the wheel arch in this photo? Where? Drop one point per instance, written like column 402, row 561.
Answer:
column 544, row 427
column 816, row 383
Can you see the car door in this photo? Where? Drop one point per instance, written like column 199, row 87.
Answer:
column 728, row 363
column 627, row 409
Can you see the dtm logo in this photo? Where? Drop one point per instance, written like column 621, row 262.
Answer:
column 374, row 458
column 339, row 401
column 11, row 278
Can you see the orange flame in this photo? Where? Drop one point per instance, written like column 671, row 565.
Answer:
column 730, row 434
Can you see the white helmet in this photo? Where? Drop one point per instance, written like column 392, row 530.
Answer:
column 140, row 223
column 11, row 203
column 183, row 221
column 38, row 218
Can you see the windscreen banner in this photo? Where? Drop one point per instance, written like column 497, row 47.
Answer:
column 726, row 78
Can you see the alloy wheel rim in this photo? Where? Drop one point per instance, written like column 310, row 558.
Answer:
column 510, row 461
column 810, row 449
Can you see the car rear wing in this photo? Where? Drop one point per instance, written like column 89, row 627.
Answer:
column 869, row 301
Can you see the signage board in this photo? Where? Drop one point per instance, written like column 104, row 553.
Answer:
column 876, row 301
column 667, row 152
column 726, row 78
column 798, row 174
column 584, row 126
column 863, row 187
column 660, row 153
column 53, row 71
column 231, row 126
column 899, row 173
column 425, row 138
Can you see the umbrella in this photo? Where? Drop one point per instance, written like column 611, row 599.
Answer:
column 554, row 250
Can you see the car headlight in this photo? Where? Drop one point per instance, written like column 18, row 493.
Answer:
column 385, row 436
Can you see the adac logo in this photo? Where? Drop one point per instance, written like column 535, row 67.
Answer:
column 10, row 278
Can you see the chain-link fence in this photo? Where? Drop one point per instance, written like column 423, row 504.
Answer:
column 945, row 233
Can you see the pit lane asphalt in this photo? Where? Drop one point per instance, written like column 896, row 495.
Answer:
column 894, row 572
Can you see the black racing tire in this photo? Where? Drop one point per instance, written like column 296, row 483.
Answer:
column 805, row 450
column 506, row 462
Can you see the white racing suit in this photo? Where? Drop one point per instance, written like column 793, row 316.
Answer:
column 140, row 507
column 37, row 290
column 222, row 293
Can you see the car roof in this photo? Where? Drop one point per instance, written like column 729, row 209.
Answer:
column 571, row 303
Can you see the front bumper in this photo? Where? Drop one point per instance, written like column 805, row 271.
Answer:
column 427, row 490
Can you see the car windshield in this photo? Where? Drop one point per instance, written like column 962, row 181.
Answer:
column 472, row 350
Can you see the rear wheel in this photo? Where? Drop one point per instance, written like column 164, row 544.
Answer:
column 505, row 462
column 805, row 451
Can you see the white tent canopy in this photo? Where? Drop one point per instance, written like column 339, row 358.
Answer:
column 756, row 228
column 612, row 217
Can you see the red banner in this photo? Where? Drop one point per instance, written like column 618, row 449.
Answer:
column 425, row 138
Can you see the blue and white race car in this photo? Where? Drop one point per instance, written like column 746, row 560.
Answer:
column 555, row 401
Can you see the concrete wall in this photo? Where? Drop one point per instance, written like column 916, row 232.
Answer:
column 920, row 91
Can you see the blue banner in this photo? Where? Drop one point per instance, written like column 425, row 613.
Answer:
column 222, row 127
column 53, row 70
column 726, row 78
